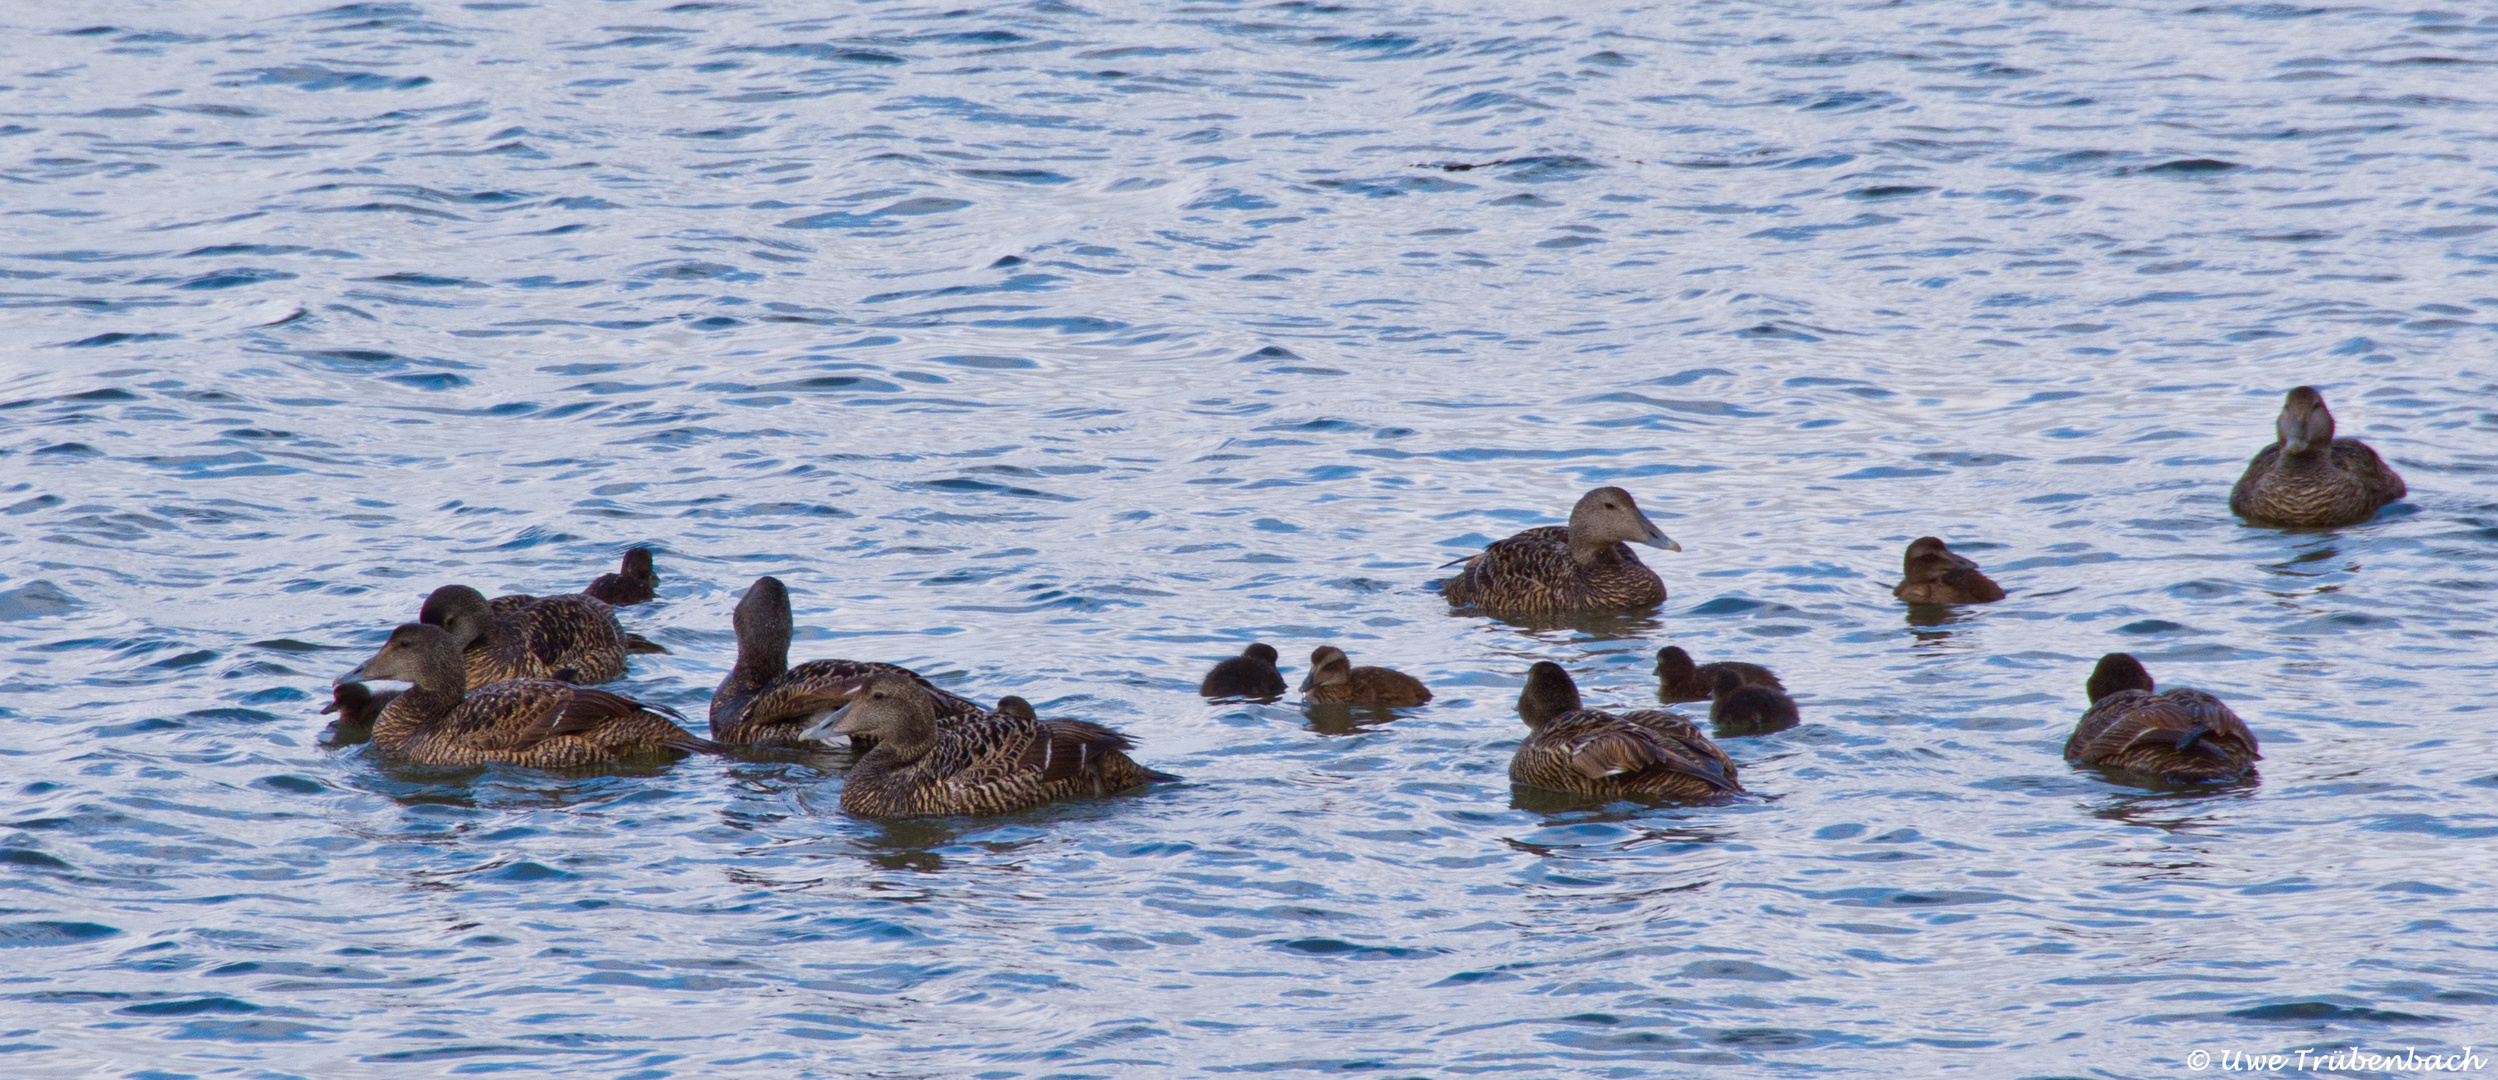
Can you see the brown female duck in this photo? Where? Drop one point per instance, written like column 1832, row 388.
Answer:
column 1737, row 707
column 1251, row 675
column 1586, row 565
column 547, row 725
column 992, row 762
column 766, row 702
column 1583, row 751
column 2182, row 736
column 2309, row 479
column 1333, row 680
column 569, row 638
column 634, row 582
column 1678, row 679
column 1932, row 574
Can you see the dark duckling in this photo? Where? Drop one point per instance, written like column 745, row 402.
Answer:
column 569, row 638
column 1932, row 574
column 1583, row 751
column 634, row 582
column 1251, row 675
column 1741, row 708
column 766, row 702
column 2182, row 736
column 1586, row 565
column 1333, row 680
column 994, row 762
column 533, row 722
column 2309, row 479
column 1678, row 679
column 357, row 705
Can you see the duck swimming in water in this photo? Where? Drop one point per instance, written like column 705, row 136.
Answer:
column 1583, row 751
column 2182, row 736
column 994, row 762
column 766, row 702
column 569, row 638
column 634, row 582
column 438, row 720
column 1678, row 679
column 1251, row 675
column 1741, row 708
column 1586, row 565
column 2309, row 479
column 357, row 706
column 1333, row 680
column 1932, row 574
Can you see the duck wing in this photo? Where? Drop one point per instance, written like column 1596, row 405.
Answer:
column 2360, row 460
column 1655, row 741
column 2182, row 721
column 2211, row 726
column 1067, row 749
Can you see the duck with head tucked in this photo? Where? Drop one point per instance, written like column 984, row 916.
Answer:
column 1252, row 675
column 1737, row 707
column 1333, row 680
column 993, row 762
column 1679, row 679
column 766, row 702
column 569, row 638
column 2309, row 479
column 1582, row 751
column 1933, row 574
column 439, row 720
column 2182, row 736
column 1586, row 565
column 634, row 582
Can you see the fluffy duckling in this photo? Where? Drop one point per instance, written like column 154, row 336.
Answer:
column 993, row 762
column 2182, row 736
column 1333, row 680
column 1584, row 751
column 766, row 702
column 569, row 638
column 1251, row 675
column 1737, row 707
column 357, row 706
column 1678, row 679
column 634, row 582
column 533, row 722
column 1586, row 565
column 1932, row 574
column 2309, row 479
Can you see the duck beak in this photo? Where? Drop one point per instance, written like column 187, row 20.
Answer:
column 1656, row 537
column 837, row 722
column 353, row 676
column 330, row 708
column 1308, row 681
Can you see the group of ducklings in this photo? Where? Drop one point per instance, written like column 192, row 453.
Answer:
column 505, row 680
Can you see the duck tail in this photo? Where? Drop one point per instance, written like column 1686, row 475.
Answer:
column 691, row 743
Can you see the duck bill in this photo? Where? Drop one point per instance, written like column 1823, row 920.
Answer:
column 836, row 722
column 1309, row 682
column 356, row 675
column 329, row 708
column 1656, row 537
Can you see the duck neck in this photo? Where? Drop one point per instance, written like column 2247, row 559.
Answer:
column 1589, row 552
column 440, row 684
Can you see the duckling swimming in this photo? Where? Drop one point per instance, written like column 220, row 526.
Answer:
column 2309, row 479
column 1251, row 675
column 438, row 720
column 766, row 702
column 1584, row 751
column 1932, row 574
column 1333, row 680
column 2182, row 736
column 357, row 705
column 634, row 582
column 569, row 638
column 1586, row 565
column 1740, row 708
column 1678, row 679
column 992, row 762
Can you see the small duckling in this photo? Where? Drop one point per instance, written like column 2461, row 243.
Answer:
column 1934, row 575
column 1583, row 751
column 1678, row 679
column 1741, row 708
column 765, row 702
column 2309, row 479
column 569, row 638
column 1251, row 675
column 2182, row 736
column 357, row 705
column 1333, row 680
column 634, row 582
column 994, row 762
column 1586, row 565
column 533, row 722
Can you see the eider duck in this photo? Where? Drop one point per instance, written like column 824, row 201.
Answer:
column 357, row 707
column 1251, row 675
column 634, row 582
column 1586, row 565
column 1678, row 679
column 1932, row 574
column 569, row 638
column 1737, row 707
column 533, row 722
column 1333, row 680
column 2182, row 736
column 2309, row 479
column 766, row 702
column 1583, row 751
column 993, row 762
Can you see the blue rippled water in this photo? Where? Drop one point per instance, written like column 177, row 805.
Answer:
column 1058, row 348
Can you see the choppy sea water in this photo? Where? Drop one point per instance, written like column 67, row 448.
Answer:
column 1058, row 349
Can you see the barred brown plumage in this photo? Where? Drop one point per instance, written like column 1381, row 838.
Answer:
column 1333, row 680
column 568, row 638
column 1583, row 751
column 2182, row 736
column 994, row 762
column 533, row 722
column 1586, row 565
column 765, row 702
column 2309, row 479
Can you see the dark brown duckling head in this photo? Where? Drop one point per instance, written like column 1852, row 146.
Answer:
column 1252, row 674
column 763, row 628
column 460, row 610
column 634, row 582
column 357, row 705
column 1608, row 515
column 1674, row 665
column 1932, row 573
column 892, row 710
column 2305, row 425
column 1548, row 693
column 2118, row 671
column 1739, row 706
column 419, row 654
column 1329, row 666
column 1010, row 705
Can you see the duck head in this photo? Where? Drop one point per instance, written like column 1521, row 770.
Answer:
column 1010, row 705
column 762, row 622
column 1674, row 665
column 1329, row 666
column 419, row 654
column 1548, row 693
column 889, row 708
column 2118, row 671
column 1928, row 560
column 459, row 610
column 1609, row 515
column 2305, row 423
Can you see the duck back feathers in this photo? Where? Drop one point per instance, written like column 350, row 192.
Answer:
column 991, row 762
column 1582, row 751
column 1586, row 565
column 531, row 722
column 1740, row 708
column 1252, row 674
column 2182, row 736
column 568, row 638
column 1679, row 679
column 1333, row 680
column 2308, row 478
column 1931, row 573
column 766, row 702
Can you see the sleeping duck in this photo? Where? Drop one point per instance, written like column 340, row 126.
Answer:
column 992, row 762
column 569, row 638
column 2182, row 736
column 1251, row 675
column 2309, row 479
column 1586, row 565
column 438, row 720
column 1737, row 707
column 634, row 582
column 1678, row 679
column 766, row 702
column 1583, row 751
column 1931, row 574
column 1333, row 680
